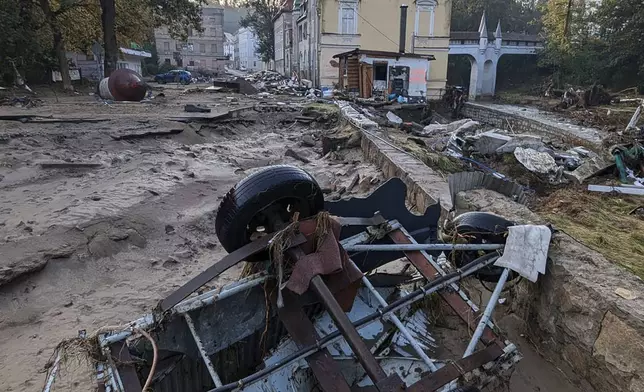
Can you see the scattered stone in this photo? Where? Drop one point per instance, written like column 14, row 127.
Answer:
column 154, row 193
column 394, row 119
column 190, row 174
column 191, row 155
column 68, row 304
column 59, row 253
column 290, row 153
column 169, row 229
column 210, row 245
column 307, row 141
column 95, row 197
column 591, row 167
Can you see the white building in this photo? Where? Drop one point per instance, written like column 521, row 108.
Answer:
column 247, row 44
column 229, row 47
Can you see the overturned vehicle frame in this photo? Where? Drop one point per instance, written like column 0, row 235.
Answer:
column 311, row 314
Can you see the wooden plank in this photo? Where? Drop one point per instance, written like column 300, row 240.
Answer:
column 303, row 333
column 454, row 370
column 462, row 309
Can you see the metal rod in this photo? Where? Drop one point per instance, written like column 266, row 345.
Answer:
column 331, row 338
column 365, row 236
column 212, row 296
column 415, row 247
column 52, row 374
column 358, row 346
column 399, row 325
column 204, row 355
column 487, row 313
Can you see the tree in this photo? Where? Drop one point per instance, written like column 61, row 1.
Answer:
column 515, row 15
column 110, row 45
column 260, row 21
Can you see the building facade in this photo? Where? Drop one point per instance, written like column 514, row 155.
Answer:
column 324, row 28
column 201, row 50
column 247, row 48
column 229, row 47
column 282, row 25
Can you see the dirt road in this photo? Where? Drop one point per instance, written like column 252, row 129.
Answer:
column 87, row 247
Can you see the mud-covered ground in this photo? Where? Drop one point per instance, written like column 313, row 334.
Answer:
column 84, row 248
column 81, row 248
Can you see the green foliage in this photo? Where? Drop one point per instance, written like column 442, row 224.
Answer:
column 179, row 16
column 594, row 42
column 260, row 21
column 515, row 15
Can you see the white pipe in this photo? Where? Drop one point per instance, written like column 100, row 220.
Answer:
column 487, row 313
column 202, row 351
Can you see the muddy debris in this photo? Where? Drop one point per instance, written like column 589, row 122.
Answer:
column 291, row 153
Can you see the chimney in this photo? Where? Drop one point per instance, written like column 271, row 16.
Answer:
column 403, row 27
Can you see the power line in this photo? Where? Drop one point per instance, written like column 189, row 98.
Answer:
column 375, row 28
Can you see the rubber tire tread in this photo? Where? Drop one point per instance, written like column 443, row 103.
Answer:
column 258, row 191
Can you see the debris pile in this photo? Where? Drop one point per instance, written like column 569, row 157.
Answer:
column 276, row 83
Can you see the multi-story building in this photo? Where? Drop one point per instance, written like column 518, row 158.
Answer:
column 229, row 47
column 325, row 28
column 282, row 26
column 201, row 50
column 247, row 44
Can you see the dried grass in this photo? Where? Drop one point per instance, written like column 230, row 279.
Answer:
column 602, row 222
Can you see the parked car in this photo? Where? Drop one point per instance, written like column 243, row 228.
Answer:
column 174, row 76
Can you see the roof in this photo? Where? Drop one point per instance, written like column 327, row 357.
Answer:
column 474, row 36
column 134, row 52
column 382, row 53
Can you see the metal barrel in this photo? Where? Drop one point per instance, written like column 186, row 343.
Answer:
column 123, row 85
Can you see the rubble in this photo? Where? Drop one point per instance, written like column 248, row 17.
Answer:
column 535, row 161
column 525, row 141
column 196, row 108
column 276, row 83
column 489, row 142
column 589, row 168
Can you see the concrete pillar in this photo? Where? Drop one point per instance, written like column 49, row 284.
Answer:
column 488, row 79
column 476, row 78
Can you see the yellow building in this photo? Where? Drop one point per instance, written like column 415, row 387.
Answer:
column 339, row 26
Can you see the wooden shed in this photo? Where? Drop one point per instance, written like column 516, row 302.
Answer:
column 374, row 72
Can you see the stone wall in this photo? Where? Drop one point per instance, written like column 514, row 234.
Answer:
column 529, row 122
column 573, row 314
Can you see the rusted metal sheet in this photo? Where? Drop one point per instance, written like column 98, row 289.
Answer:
column 303, row 333
column 456, row 369
column 462, row 309
column 216, row 269
column 125, row 366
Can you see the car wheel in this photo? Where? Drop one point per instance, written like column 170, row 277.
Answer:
column 264, row 202
column 479, row 228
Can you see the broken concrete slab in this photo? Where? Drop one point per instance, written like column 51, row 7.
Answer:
column 591, row 167
column 356, row 118
column 444, row 128
column 143, row 134
column 525, row 141
column 535, row 161
column 488, row 142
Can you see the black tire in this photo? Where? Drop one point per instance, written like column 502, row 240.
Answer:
column 274, row 187
column 482, row 227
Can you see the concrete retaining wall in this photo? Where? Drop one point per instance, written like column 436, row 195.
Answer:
column 572, row 314
column 529, row 121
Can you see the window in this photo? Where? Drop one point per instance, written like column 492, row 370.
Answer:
column 178, row 46
column 189, row 31
column 202, row 48
column 299, row 32
column 166, row 46
column 254, row 63
column 304, row 30
column 191, row 63
column 347, row 18
column 191, row 47
column 167, row 61
column 203, row 64
column 213, row 48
